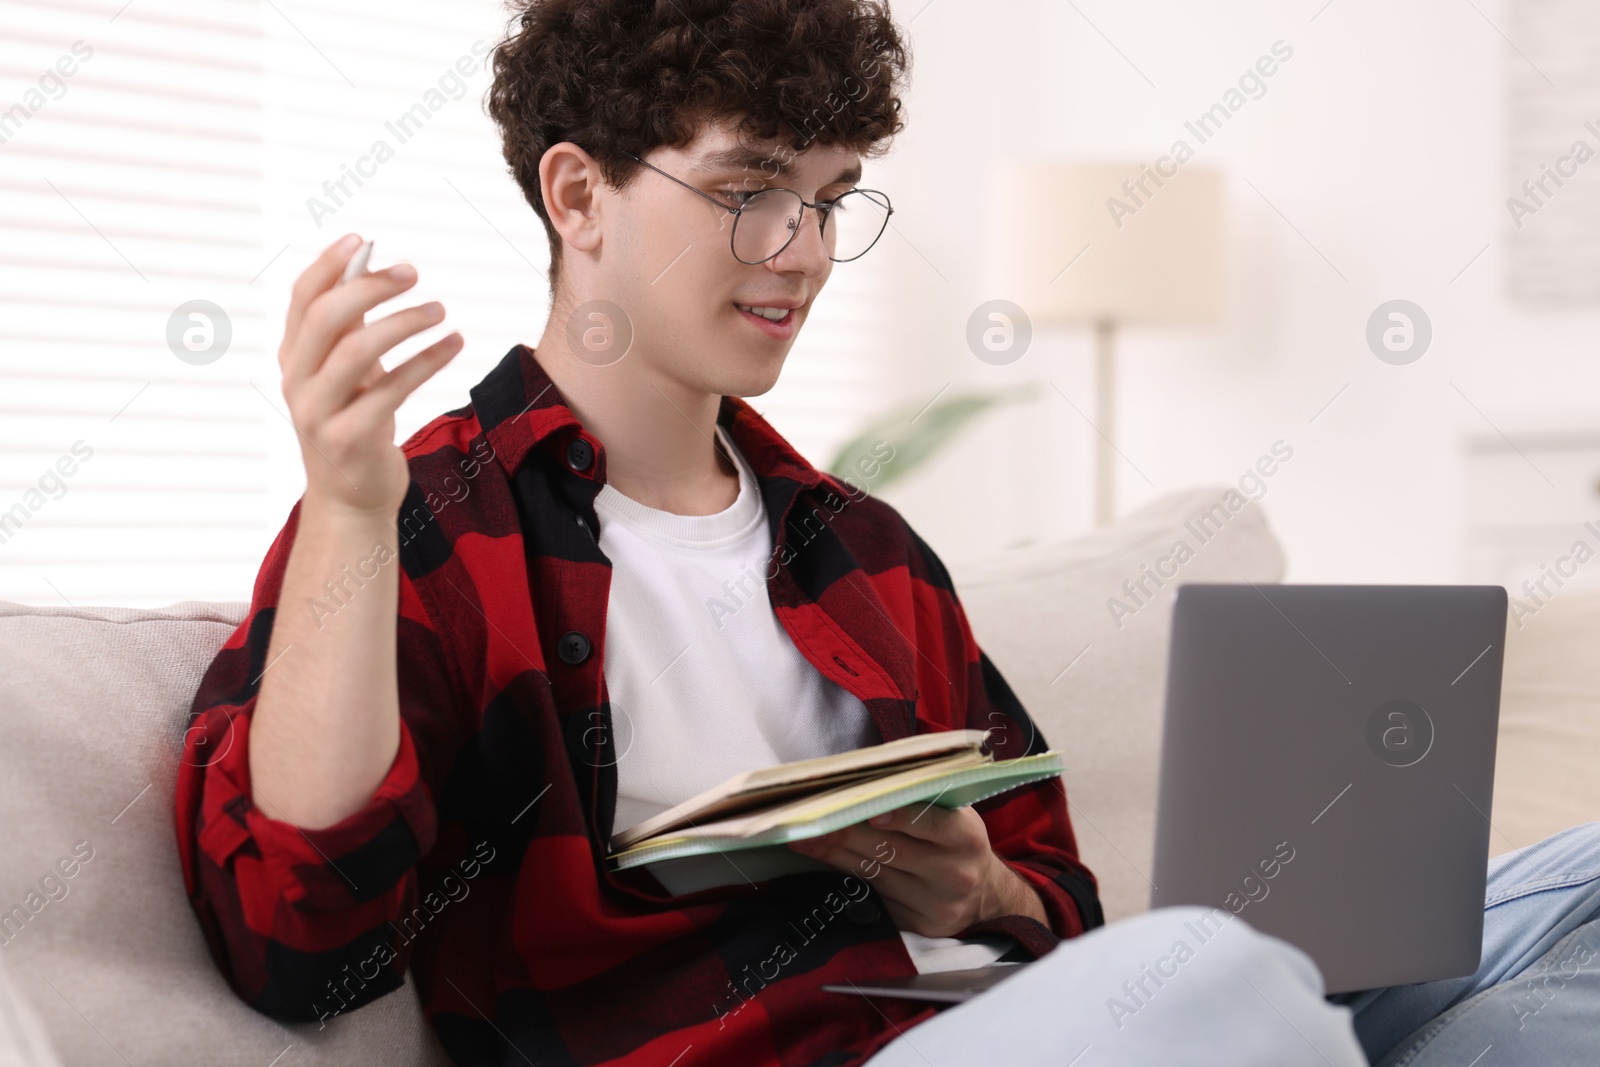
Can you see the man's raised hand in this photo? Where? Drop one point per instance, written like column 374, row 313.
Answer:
column 341, row 400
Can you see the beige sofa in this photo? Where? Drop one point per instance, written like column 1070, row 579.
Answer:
column 111, row 963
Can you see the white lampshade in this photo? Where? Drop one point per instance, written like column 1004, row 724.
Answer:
column 1154, row 256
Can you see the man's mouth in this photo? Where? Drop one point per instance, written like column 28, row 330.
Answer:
column 775, row 322
column 771, row 314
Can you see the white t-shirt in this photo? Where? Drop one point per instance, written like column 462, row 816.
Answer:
column 703, row 680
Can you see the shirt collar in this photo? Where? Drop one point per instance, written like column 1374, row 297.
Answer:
column 519, row 409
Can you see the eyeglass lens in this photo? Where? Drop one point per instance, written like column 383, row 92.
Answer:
column 769, row 218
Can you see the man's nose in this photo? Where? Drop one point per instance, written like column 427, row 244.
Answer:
column 806, row 251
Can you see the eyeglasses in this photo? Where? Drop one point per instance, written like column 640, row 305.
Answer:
column 766, row 220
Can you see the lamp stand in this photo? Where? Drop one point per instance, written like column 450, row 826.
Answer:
column 1105, row 415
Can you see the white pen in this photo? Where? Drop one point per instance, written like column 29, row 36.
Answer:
column 358, row 263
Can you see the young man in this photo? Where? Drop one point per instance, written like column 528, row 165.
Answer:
column 602, row 587
column 607, row 584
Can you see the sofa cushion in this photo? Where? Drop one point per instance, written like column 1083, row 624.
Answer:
column 100, row 937
column 1036, row 609
column 1545, row 775
column 1087, row 657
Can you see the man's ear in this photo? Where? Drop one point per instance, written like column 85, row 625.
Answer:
column 569, row 179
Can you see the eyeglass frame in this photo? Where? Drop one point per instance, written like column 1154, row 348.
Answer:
column 822, row 208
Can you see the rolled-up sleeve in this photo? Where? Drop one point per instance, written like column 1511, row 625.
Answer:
column 300, row 921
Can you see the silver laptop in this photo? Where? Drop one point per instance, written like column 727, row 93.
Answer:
column 1326, row 770
column 1327, row 763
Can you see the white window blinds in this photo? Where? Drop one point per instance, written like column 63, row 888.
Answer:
column 160, row 153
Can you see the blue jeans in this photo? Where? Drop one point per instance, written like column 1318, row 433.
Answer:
column 1195, row 985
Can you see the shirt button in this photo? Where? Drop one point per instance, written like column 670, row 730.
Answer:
column 573, row 648
column 862, row 912
column 579, row 454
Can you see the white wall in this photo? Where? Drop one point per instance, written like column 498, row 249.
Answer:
column 179, row 161
column 1380, row 141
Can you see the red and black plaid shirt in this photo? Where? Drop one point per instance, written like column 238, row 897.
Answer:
column 479, row 861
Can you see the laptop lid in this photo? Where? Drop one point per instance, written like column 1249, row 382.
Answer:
column 1327, row 762
column 938, row 987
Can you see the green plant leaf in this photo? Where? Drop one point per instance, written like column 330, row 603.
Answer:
column 916, row 442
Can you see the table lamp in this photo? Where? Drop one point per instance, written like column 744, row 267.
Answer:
column 1108, row 245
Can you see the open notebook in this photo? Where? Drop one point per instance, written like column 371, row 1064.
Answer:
column 738, row 831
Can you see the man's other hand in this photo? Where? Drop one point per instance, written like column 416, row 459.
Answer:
column 933, row 867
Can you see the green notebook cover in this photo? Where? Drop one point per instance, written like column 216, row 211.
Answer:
column 700, row 862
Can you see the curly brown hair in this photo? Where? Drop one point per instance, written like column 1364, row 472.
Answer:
column 620, row 76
